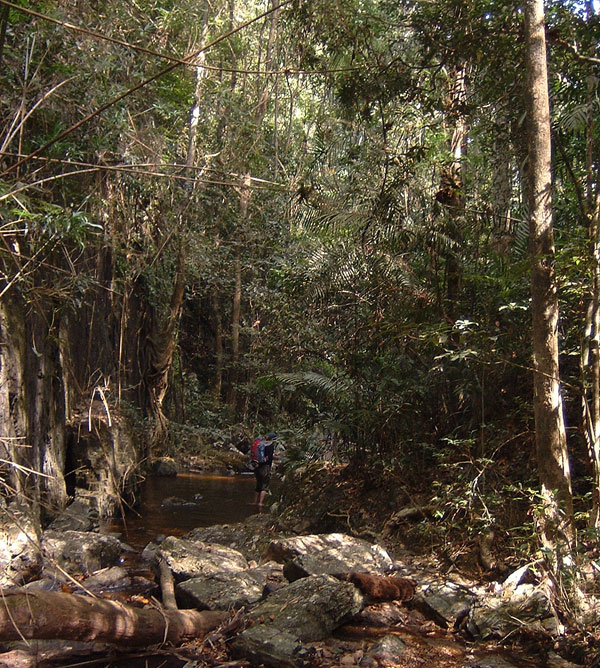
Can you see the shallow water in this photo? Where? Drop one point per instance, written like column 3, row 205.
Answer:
column 225, row 500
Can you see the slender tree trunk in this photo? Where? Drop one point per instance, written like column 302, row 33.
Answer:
column 196, row 105
column 164, row 341
column 262, row 96
column 502, row 188
column 590, row 363
column 552, row 456
column 3, row 25
column 237, row 294
column 451, row 193
column 590, row 350
column 235, row 324
column 160, row 348
column 218, row 386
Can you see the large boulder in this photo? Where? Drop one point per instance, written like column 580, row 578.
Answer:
column 189, row 559
column 226, row 590
column 524, row 606
column 250, row 537
column 328, row 553
column 305, row 611
column 20, row 554
column 78, row 552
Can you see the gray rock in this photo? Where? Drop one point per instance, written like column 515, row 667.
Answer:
column 189, row 559
column 149, row 552
column 556, row 661
column 223, row 591
column 78, row 516
column 328, row 553
column 78, row 552
column 20, row 554
column 493, row 661
column 446, row 603
column 386, row 614
column 517, row 577
column 304, row 611
column 268, row 646
column 45, row 584
column 250, row 537
column 524, row 606
column 385, row 652
column 116, row 579
column 310, row 608
column 107, row 578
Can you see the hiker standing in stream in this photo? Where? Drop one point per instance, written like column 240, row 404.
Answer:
column 261, row 461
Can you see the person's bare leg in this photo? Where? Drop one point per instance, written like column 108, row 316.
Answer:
column 261, row 497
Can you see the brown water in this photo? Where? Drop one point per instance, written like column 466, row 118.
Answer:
column 225, row 500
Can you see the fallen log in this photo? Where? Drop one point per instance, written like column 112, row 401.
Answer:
column 56, row 615
column 39, row 653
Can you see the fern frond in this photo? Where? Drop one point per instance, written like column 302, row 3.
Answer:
column 311, row 380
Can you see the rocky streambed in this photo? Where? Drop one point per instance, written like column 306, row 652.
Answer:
column 289, row 598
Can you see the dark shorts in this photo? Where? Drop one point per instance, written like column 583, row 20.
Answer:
column 263, row 477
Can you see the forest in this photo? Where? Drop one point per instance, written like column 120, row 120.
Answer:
column 371, row 226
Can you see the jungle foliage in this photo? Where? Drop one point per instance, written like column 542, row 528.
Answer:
column 340, row 191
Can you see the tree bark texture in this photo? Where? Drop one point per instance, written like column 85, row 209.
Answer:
column 160, row 350
column 590, row 351
column 54, row 615
column 590, row 363
column 551, row 446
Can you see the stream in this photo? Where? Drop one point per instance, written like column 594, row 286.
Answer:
column 225, row 500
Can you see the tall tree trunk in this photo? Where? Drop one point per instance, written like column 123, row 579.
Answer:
column 245, row 194
column 195, row 110
column 235, row 324
column 160, row 348
column 590, row 351
column 451, row 193
column 551, row 446
column 502, row 188
column 218, row 385
column 590, row 361
column 237, row 294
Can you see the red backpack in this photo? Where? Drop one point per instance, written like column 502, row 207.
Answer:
column 257, row 452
